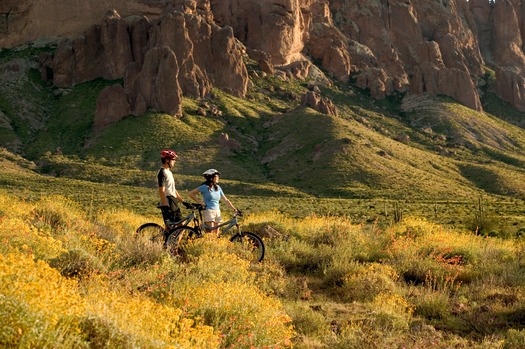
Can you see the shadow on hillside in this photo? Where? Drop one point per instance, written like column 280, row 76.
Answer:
column 250, row 190
column 484, row 178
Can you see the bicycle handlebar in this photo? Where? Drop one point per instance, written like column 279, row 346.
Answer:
column 192, row 206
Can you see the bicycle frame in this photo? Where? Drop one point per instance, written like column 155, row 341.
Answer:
column 250, row 244
column 230, row 224
column 184, row 221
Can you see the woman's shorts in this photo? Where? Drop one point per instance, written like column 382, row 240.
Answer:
column 212, row 216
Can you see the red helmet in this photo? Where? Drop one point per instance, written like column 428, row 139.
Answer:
column 168, row 154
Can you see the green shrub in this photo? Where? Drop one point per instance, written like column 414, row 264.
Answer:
column 101, row 334
column 367, row 281
column 514, row 339
column 76, row 263
column 307, row 322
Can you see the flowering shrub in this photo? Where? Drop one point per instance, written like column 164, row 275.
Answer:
column 219, row 287
column 367, row 281
column 35, row 301
column 148, row 323
column 340, row 285
column 17, row 235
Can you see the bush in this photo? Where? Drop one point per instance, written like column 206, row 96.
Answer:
column 100, row 334
column 367, row 281
column 76, row 263
column 514, row 339
column 220, row 288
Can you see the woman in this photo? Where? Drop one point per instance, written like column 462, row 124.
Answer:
column 211, row 195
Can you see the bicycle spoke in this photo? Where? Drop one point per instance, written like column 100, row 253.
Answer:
column 151, row 233
column 250, row 246
column 180, row 240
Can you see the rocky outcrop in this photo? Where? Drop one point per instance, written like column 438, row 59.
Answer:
column 273, row 26
column 508, row 33
column 112, row 105
column 178, row 54
column 319, row 103
column 104, row 51
column 389, row 47
column 23, row 21
column 156, row 84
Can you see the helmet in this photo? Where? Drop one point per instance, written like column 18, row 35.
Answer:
column 168, row 153
column 210, row 173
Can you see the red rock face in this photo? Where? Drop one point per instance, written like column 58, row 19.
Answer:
column 177, row 54
column 389, row 47
column 112, row 105
column 28, row 20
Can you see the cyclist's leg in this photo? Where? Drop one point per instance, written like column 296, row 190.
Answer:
column 212, row 218
column 174, row 205
column 210, row 227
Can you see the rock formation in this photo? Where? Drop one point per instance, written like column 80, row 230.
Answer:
column 387, row 46
column 317, row 102
column 179, row 53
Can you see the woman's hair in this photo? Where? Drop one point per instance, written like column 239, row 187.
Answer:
column 209, row 183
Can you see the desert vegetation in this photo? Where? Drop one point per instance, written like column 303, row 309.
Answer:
column 73, row 279
column 398, row 223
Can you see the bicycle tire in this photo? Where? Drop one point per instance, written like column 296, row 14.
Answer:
column 179, row 240
column 251, row 244
column 151, row 232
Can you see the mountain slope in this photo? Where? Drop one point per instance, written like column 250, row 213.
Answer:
column 399, row 148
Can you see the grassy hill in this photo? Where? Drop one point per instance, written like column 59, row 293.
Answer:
column 423, row 151
column 396, row 223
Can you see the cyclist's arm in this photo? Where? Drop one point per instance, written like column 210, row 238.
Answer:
column 162, row 194
column 178, row 196
column 193, row 194
column 228, row 202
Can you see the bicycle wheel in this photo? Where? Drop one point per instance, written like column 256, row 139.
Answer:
column 151, row 233
column 250, row 244
column 181, row 239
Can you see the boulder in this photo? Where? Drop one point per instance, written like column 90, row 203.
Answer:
column 112, row 106
column 317, row 102
column 510, row 86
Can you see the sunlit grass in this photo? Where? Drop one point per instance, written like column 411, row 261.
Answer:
column 83, row 279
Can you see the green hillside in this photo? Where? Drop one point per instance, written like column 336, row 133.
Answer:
column 396, row 224
column 419, row 150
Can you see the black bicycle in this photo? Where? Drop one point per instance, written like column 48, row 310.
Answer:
column 157, row 234
column 176, row 236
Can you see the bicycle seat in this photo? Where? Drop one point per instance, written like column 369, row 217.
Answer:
column 164, row 208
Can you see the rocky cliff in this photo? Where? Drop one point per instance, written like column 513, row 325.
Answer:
column 166, row 49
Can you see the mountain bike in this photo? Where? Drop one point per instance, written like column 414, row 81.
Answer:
column 249, row 244
column 175, row 236
column 156, row 234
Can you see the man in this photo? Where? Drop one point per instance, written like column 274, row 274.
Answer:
column 169, row 196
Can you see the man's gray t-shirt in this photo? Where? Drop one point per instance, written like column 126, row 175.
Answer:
column 166, row 180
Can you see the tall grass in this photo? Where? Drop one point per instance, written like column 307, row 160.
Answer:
column 74, row 278
column 74, row 282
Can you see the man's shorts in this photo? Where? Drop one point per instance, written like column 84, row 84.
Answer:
column 175, row 214
column 212, row 215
